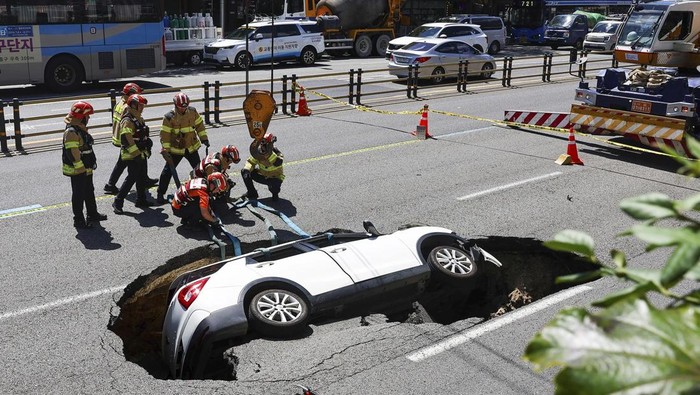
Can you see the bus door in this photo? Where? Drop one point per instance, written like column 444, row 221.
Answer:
column 99, row 60
column 18, row 47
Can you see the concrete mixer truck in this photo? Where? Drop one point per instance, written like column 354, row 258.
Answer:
column 364, row 27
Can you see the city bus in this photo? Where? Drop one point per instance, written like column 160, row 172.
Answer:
column 526, row 19
column 62, row 43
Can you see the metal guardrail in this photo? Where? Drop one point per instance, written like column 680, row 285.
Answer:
column 216, row 102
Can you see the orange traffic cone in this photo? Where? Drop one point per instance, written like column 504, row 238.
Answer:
column 422, row 128
column 303, row 110
column 571, row 151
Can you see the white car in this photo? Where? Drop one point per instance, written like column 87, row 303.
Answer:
column 293, row 40
column 603, row 36
column 470, row 34
column 277, row 290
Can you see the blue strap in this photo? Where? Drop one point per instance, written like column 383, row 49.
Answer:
column 234, row 240
column 284, row 217
column 270, row 229
column 221, row 244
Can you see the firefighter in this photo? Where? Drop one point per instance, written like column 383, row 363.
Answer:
column 79, row 161
column 135, row 150
column 219, row 162
column 181, row 136
column 111, row 186
column 268, row 171
column 192, row 201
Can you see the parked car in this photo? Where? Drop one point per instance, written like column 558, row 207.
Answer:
column 471, row 34
column 293, row 40
column 492, row 26
column 276, row 291
column 603, row 36
column 566, row 30
column 439, row 58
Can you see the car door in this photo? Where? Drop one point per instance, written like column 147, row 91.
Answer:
column 472, row 56
column 373, row 257
column 260, row 44
column 449, row 56
column 287, row 42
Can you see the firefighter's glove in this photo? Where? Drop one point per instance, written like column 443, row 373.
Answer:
column 206, row 143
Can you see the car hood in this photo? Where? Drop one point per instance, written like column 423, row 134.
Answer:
column 227, row 42
column 404, row 40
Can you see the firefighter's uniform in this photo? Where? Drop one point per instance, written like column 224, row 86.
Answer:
column 192, row 202
column 181, row 136
column 135, row 150
column 268, row 171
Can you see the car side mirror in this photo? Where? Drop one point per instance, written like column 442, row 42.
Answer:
column 442, row 36
column 257, row 36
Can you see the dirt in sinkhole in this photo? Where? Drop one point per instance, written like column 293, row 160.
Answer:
column 528, row 274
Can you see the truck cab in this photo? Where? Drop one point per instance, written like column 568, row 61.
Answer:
column 566, row 30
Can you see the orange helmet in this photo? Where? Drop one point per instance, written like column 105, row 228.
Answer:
column 231, row 152
column 181, row 100
column 269, row 138
column 80, row 109
column 134, row 100
column 217, row 181
column 131, row 88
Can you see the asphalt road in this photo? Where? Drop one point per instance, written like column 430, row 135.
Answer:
column 60, row 286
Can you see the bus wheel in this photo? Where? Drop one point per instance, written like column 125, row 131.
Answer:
column 64, row 73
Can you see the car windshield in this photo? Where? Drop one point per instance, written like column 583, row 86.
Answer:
column 639, row 29
column 562, row 21
column 453, row 19
column 424, row 31
column 418, row 46
column 605, row 27
column 239, row 34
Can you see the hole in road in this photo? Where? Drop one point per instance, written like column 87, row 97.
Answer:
column 528, row 274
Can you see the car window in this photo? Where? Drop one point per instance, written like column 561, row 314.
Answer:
column 312, row 28
column 286, row 31
column 266, row 31
column 449, row 47
column 460, row 31
column 488, row 23
column 418, row 46
column 466, row 49
column 424, row 31
column 275, row 254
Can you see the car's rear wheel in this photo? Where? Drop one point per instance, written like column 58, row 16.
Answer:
column 363, row 46
column 452, row 263
column 242, row 60
column 308, row 56
column 438, row 75
column 278, row 312
column 487, row 70
column 494, row 47
column 195, row 58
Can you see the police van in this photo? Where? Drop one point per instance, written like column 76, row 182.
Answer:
column 294, row 40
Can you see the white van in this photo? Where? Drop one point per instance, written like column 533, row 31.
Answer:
column 603, row 36
column 492, row 26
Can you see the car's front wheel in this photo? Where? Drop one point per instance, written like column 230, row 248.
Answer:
column 486, row 70
column 438, row 75
column 242, row 60
column 452, row 263
column 308, row 56
column 278, row 312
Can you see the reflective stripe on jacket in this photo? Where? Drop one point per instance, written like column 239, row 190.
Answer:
column 131, row 132
column 270, row 167
column 194, row 190
column 116, row 119
column 74, row 145
column 182, row 132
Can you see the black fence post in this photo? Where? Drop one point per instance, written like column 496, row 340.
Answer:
column 550, row 56
column 615, row 63
column 16, row 120
column 3, row 131
column 207, row 109
column 285, row 86
column 504, row 77
column 415, row 81
column 351, row 87
column 409, row 81
column 465, row 76
column 112, row 104
column 217, row 101
column 293, row 106
column 460, row 75
column 544, row 67
column 359, row 86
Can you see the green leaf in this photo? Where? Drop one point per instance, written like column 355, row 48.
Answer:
column 649, row 206
column 619, row 258
column 572, row 241
column 657, row 236
column 693, row 146
column 579, row 277
column 631, row 348
column 683, row 259
column 689, row 204
column 694, row 273
column 634, row 292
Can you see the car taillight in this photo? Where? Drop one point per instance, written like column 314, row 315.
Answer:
column 391, row 57
column 422, row 59
column 189, row 293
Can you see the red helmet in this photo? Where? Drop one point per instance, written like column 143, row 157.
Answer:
column 80, row 109
column 231, row 152
column 181, row 100
column 269, row 138
column 217, row 181
column 131, row 88
column 134, row 100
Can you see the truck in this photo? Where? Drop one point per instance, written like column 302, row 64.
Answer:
column 185, row 42
column 657, row 103
column 363, row 27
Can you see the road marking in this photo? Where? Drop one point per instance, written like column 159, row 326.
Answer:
column 13, row 212
column 465, row 132
column 511, row 185
column 61, row 302
column 496, row 323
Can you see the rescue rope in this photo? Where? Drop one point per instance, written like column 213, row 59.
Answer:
column 253, row 205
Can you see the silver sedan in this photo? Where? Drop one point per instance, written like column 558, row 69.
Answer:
column 439, row 58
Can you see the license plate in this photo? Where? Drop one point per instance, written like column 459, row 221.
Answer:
column 641, row 106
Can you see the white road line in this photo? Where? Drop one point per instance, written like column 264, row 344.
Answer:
column 61, row 302
column 496, row 323
column 514, row 184
column 465, row 132
column 13, row 212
